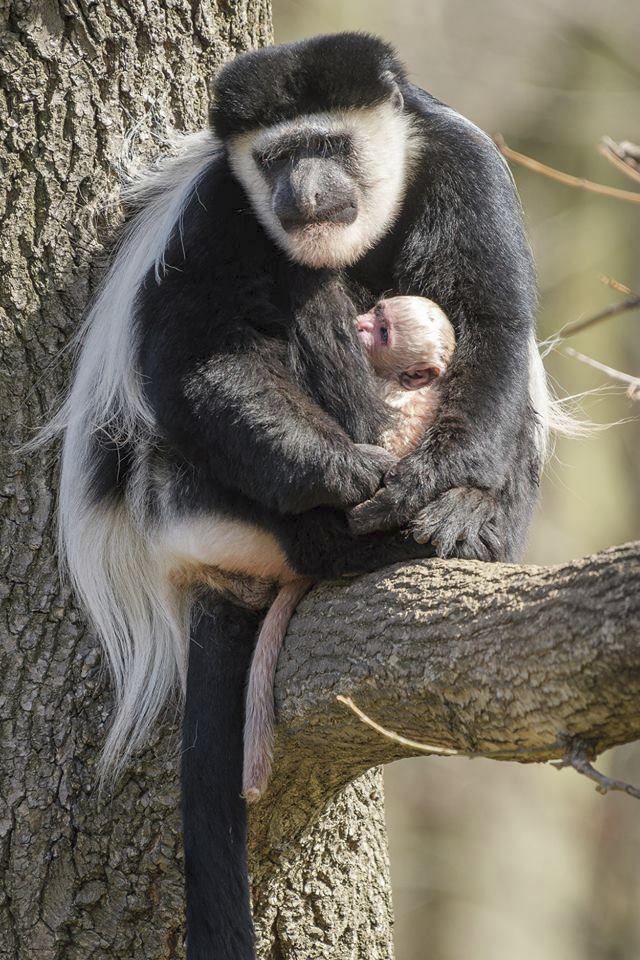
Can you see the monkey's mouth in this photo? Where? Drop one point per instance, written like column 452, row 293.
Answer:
column 316, row 229
column 341, row 217
column 367, row 339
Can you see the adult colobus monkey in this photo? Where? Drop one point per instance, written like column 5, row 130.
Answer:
column 224, row 415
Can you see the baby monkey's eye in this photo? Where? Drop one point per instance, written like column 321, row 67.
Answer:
column 384, row 334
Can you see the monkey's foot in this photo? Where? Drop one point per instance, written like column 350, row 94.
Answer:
column 461, row 522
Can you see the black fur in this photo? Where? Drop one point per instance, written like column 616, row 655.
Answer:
column 214, row 819
column 461, row 243
column 260, row 389
column 264, row 87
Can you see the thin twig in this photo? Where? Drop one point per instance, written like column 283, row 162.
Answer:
column 611, row 151
column 613, row 310
column 630, row 152
column 633, row 383
column 577, row 758
column 620, row 287
column 568, row 179
column 396, row 737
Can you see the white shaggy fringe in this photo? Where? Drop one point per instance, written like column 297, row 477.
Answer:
column 141, row 620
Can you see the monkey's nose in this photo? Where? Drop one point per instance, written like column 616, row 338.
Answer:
column 365, row 323
column 366, row 327
column 314, row 190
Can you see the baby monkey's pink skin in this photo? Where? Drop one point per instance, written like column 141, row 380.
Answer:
column 410, row 342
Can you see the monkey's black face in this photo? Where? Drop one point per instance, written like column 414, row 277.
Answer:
column 312, row 180
column 327, row 186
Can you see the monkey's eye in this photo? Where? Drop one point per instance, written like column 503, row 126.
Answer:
column 269, row 159
column 263, row 159
column 384, row 334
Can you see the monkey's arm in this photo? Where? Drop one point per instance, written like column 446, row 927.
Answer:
column 240, row 419
column 467, row 251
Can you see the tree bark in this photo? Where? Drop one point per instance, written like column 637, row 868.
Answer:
column 512, row 662
column 80, row 876
column 500, row 660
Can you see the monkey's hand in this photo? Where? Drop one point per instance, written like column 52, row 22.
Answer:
column 462, row 521
column 378, row 461
column 363, row 475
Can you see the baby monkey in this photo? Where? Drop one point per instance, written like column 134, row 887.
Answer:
column 409, row 342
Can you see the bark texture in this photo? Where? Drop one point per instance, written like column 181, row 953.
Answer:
column 516, row 663
column 80, row 876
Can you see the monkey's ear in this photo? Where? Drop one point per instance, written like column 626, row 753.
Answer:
column 397, row 100
column 419, row 376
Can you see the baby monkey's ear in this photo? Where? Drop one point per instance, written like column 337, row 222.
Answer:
column 418, row 376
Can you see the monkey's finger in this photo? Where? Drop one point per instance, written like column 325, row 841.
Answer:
column 384, row 460
column 460, row 523
column 373, row 515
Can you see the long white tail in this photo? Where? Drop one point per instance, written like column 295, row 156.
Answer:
column 260, row 719
column 108, row 545
column 141, row 619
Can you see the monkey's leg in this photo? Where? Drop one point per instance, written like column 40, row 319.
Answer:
column 219, row 921
column 319, row 544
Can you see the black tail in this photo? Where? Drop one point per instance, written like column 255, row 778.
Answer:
column 219, row 925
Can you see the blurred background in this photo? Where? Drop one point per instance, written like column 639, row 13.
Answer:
column 491, row 860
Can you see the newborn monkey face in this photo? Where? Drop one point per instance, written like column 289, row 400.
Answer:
column 408, row 340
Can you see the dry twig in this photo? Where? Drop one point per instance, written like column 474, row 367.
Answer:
column 613, row 310
column 396, row 737
column 632, row 383
column 629, row 196
column 616, row 285
column 620, row 158
column 578, row 758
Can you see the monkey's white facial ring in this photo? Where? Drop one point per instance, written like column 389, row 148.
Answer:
column 327, row 186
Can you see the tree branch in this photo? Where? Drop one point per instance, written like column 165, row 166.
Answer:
column 632, row 383
column 512, row 662
column 613, row 310
column 485, row 659
column 577, row 759
column 623, row 156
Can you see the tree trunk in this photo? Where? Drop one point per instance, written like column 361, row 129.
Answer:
column 81, row 876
